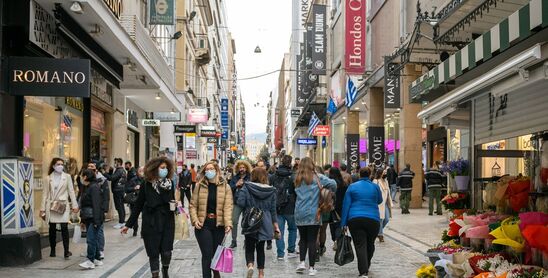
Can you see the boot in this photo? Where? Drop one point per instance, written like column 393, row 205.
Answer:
column 165, row 271
column 156, row 275
column 381, row 238
column 52, row 252
column 135, row 229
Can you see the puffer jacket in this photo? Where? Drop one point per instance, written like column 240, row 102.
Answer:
column 198, row 203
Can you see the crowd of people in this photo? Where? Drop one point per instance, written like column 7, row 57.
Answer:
column 293, row 197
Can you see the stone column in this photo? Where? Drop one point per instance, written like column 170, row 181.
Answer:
column 411, row 134
column 375, row 103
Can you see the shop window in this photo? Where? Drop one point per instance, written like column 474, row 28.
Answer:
column 499, row 166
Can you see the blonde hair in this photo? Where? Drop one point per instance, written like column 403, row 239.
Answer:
column 305, row 172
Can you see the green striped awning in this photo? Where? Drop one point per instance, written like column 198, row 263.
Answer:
column 512, row 29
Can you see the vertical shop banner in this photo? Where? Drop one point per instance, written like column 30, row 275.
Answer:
column 300, row 77
column 392, row 91
column 312, row 80
column 224, row 113
column 162, row 12
column 355, row 37
column 375, row 146
column 319, row 40
column 353, row 151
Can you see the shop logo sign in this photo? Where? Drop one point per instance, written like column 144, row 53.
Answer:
column 115, row 7
column 376, row 145
column 352, row 150
column 319, row 40
column 48, row 77
column 355, row 37
column 161, row 12
column 391, row 88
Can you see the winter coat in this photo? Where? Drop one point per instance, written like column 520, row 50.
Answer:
column 185, row 180
column 405, row 179
column 386, row 199
column 91, row 198
column 64, row 192
column 234, row 180
column 198, row 203
column 115, row 177
column 262, row 196
column 391, row 176
column 131, row 184
column 435, row 178
column 283, row 179
column 158, row 223
column 105, row 194
column 361, row 201
column 308, row 197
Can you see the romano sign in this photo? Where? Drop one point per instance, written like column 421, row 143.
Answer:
column 375, row 146
column 33, row 76
column 353, row 151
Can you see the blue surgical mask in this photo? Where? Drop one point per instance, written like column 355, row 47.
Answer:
column 210, row 174
column 162, row 172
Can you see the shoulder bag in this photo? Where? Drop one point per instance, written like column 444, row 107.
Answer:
column 325, row 203
column 57, row 206
column 252, row 220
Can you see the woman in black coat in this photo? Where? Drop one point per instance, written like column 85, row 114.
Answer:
column 156, row 201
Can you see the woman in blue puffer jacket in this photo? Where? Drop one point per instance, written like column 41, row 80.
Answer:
column 307, row 187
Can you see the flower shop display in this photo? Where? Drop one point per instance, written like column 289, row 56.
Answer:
column 460, row 171
column 426, row 271
column 456, row 202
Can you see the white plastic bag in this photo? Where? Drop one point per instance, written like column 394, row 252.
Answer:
column 77, row 234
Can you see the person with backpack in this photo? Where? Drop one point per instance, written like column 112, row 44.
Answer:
column 361, row 214
column 309, row 206
column 258, row 194
column 242, row 170
column 118, row 181
column 282, row 180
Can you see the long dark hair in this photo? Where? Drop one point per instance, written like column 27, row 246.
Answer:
column 335, row 173
column 152, row 166
column 52, row 163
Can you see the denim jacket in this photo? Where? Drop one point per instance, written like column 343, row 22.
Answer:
column 308, row 196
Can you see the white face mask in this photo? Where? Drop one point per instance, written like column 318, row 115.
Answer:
column 58, row 168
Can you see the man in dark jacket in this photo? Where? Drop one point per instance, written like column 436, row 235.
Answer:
column 130, row 170
column 435, row 180
column 405, row 183
column 185, row 184
column 282, row 180
column 392, row 177
column 242, row 168
column 118, row 181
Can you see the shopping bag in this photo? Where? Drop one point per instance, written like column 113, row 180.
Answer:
column 77, row 234
column 223, row 259
column 181, row 225
column 344, row 253
column 185, row 228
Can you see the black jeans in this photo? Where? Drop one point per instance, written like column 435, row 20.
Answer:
column 53, row 236
column 336, row 230
column 309, row 237
column 185, row 192
column 136, row 226
column 119, row 205
column 209, row 237
column 155, row 262
column 252, row 244
column 364, row 231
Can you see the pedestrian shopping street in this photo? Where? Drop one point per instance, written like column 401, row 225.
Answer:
column 407, row 238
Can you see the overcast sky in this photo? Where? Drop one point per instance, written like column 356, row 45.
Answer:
column 265, row 23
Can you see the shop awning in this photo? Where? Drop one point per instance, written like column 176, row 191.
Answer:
column 518, row 26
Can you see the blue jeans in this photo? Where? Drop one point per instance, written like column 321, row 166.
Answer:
column 92, row 239
column 393, row 191
column 384, row 221
column 291, row 238
column 101, row 238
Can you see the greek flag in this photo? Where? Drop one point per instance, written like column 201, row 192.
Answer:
column 332, row 108
column 314, row 122
column 351, row 92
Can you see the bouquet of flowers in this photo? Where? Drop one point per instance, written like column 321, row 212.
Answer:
column 455, row 201
column 459, row 167
column 426, row 271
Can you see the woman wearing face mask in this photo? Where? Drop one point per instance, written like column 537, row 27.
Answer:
column 156, row 200
column 385, row 208
column 57, row 191
column 92, row 216
column 211, row 213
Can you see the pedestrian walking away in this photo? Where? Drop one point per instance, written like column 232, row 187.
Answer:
column 436, row 181
column 283, row 181
column 156, row 201
column 308, row 184
column 342, row 186
column 385, row 208
column 361, row 214
column 185, row 184
column 405, row 184
column 211, row 213
column 257, row 193
column 58, row 191
column 392, row 178
column 133, row 187
column 92, row 217
column 118, row 181
column 242, row 168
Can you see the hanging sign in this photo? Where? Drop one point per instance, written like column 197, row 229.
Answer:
column 375, row 146
column 352, row 151
column 391, row 87
column 167, row 116
column 191, row 154
column 184, row 129
column 319, row 40
column 295, row 112
column 354, row 57
column 307, row 141
column 197, row 115
column 322, row 130
column 149, row 122
column 212, row 140
column 190, row 140
column 161, row 12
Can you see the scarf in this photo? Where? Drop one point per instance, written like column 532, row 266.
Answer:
column 164, row 184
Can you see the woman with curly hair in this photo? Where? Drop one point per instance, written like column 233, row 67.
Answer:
column 211, row 213
column 156, row 201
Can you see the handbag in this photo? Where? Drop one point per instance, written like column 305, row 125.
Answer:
column 252, row 220
column 57, row 206
column 130, row 198
column 223, row 260
column 344, row 253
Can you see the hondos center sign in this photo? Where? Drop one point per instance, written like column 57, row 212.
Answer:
column 36, row 76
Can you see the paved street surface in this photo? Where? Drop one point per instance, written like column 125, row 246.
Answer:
column 407, row 237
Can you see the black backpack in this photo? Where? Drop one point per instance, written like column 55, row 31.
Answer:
column 252, row 220
column 282, row 192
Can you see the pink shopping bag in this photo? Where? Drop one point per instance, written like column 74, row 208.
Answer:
column 223, row 259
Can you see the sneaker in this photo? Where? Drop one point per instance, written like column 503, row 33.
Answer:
column 101, row 255
column 312, row 271
column 301, row 268
column 335, row 245
column 362, row 276
column 87, row 265
column 117, row 226
column 291, row 255
column 83, row 254
column 280, row 259
column 98, row 263
column 249, row 272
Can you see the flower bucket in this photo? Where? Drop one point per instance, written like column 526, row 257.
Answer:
column 459, row 212
column 462, row 183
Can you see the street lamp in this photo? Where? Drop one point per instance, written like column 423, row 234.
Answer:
column 257, row 49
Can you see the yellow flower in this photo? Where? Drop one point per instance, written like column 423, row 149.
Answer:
column 426, row 271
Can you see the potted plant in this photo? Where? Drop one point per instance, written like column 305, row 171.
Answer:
column 460, row 171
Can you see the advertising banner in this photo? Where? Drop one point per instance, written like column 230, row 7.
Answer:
column 352, row 151
column 197, row 115
column 191, row 154
column 190, row 141
column 391, row 88
column 319, row 39
column 355, row 37
column 162, row 12
column 167, row 116
column 375, row 145
column 307, row 141
column 311, row 79
column 184, row 129
column 322, row 130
